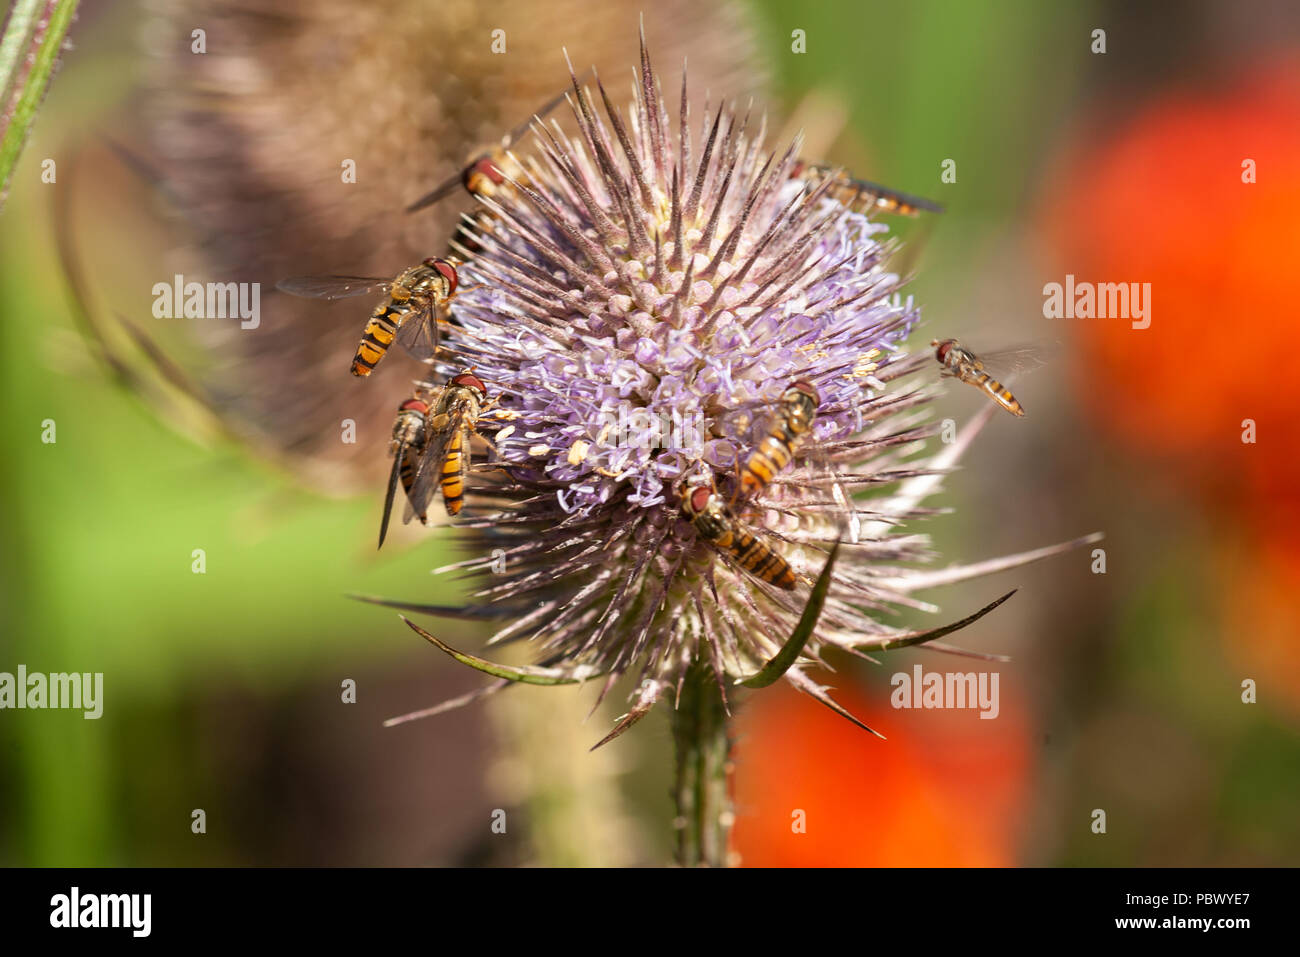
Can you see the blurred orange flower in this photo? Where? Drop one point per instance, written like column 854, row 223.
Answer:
column 946, row 789
column 1259, row 622
column 1162, row 200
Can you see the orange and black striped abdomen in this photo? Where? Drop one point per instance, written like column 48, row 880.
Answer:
column 862, row 196
column 452, row 478
column 756, row 557
column 998, row 393
column 894, row 204
column 798, row 407
column 716, row 525
column 772, row 455
column 378, row 336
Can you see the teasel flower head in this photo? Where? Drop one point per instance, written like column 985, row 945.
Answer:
column 637, row 303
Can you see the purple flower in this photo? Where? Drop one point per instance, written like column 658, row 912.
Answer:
column 638, row 302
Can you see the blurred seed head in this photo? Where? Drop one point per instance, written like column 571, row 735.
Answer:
column 251, row 137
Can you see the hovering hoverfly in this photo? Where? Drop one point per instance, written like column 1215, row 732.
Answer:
column 444, row 459
column 408, row 442
column 704, row 508
column 488, row 169
column 860, row 195
column 794, row 417
column 965, row 366
column 416, row 302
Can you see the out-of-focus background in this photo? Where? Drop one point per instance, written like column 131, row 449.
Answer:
column 1171, row 158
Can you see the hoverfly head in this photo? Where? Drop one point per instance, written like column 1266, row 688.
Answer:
column 468, row 380
column 483, row 175
column 446, row 270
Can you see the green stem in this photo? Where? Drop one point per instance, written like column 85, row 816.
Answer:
column 22, row 21
column 35, row 32
column 701, row 733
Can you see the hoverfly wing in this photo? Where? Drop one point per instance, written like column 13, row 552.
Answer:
column 393, row 478
column 332, row 287
column 441, row 426
column 742, row 418
column 1018, row 359
column 846, row 507
column 456, row 181
column 540, row 113
column 812, row 477
column 439, row 192
column 418, row 333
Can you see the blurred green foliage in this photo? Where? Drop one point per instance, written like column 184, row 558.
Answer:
column 98, row 541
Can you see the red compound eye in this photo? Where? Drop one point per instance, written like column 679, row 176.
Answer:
column 470, row 381
column 700, row 499
column 942, row 352
column 414, row 404
column 446, row 270
column 485, row 166
column 807, row 389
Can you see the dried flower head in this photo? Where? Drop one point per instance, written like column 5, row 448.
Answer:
column 251, row 138
column 639, row 303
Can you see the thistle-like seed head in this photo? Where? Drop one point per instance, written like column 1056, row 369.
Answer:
column 639, row 303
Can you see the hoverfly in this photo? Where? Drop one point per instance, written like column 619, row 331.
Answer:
column 416, row 301
column 487, row 169
column 860, row 195
column 714, row 522
column 407, row 444
column 960, row 363
column 444, row 460
column 794, row 417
